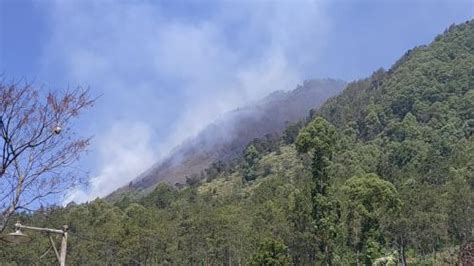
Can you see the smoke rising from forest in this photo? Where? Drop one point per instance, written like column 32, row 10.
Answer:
column 164, row 76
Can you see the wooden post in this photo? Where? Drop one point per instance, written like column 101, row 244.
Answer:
column 62, row 256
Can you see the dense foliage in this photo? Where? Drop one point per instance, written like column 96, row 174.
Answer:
column 382, row 173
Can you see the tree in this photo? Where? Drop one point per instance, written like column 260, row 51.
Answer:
column 161, row 197
column 319, row 136
column 459, row 202
column 369, row 200
column 251, row 157
column 271, row 252
column 421, row 222
column 140, row 242
column 38, row 145
column 302, row 242
column 291, row 132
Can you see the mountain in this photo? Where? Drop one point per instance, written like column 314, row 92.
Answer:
column 381, row 174
column 226, row 138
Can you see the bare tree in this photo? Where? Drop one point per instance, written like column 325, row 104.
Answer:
column 38, row 145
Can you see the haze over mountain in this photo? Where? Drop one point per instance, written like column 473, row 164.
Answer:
column 226, row 138
column 381, row 174
column 166, row 69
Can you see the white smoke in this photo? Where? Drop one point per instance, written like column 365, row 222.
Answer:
column 165, row 72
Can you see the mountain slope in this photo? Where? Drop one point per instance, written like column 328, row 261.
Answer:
column 400, row 181
column 225, row 139
column 417, row 112
column 405, row 134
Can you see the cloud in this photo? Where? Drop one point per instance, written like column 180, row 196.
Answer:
column 173, row 71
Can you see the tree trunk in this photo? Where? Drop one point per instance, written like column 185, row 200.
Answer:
column 357, row 258
column 326, row 255
column 402, row 254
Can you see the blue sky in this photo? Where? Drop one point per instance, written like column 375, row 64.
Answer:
column 165, row 69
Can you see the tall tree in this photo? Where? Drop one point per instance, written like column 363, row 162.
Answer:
column 319, row 137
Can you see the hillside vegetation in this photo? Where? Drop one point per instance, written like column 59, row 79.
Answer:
column 223, row 141
column 382, row 174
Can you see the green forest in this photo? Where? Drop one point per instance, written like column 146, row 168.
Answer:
column 382, row 174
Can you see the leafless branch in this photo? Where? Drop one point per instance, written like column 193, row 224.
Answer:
column 37, row 144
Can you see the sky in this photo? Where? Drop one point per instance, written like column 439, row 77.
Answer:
column 163, row 70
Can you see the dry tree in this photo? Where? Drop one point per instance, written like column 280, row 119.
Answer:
column 38, row 145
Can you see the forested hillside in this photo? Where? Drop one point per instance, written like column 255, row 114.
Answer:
column 220, row 144
column 382, row 174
